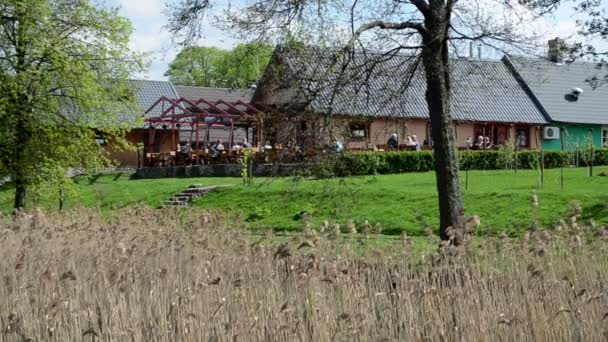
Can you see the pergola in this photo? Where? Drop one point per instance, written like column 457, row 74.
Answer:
column 179, row 113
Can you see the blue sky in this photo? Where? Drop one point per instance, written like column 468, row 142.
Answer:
column 148, row 19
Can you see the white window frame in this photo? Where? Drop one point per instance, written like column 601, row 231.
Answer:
column 604, row 136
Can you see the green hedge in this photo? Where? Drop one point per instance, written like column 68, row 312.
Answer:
column 366, row 163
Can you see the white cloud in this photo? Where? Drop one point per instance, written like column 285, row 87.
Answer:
column 141, row 8
column 148, row 19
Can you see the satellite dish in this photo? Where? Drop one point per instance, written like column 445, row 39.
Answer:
column 577, row 91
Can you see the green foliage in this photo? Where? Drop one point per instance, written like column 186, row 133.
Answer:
column 258, row 214
column 370, row 163
column 64, row 71
column 587, row 151
column 507, row 154
column 246, row 164
column 212, row 67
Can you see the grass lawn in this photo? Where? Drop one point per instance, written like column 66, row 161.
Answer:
column 114, row 191
column 409, row 202
column 397, row 202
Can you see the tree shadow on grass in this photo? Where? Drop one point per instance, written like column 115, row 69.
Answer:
column 93, row 178
column 597, row 211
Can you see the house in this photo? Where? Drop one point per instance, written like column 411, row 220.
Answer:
column 163, row 138
column 315, row 95
column 571, row 95
column 363, row 98
column 146, row 93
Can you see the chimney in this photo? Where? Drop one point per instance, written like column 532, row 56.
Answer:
column 471, row 53
column 479, row 51
column 557, row 47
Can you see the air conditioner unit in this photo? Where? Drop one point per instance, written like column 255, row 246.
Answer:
column 551, row 132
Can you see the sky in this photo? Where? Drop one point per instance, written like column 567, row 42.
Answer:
column 148, row 19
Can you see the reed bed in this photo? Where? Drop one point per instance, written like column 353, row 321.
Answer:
column 186, row 275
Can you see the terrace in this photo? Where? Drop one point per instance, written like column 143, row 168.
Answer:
column 166, row 144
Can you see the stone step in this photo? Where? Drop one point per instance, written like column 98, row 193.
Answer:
column 175, row 204
column 187, row 195
column 196, row 190
column 192, row 192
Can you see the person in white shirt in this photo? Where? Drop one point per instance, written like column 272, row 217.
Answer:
column 487, row 143
column 469, row 142
column 415, row 141
column 218, row 146
column 409, row 141
column 480, row 142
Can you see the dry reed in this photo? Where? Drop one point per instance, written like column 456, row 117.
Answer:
column 150, row 275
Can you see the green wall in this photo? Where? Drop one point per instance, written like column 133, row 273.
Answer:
column 574, row 134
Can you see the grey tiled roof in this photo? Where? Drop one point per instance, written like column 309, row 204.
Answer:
column 378, row 85
column 214, row 94
column 221, row 133
column 148, row 92
column 551, row 82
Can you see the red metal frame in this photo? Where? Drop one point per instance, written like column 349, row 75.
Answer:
column 185, row 112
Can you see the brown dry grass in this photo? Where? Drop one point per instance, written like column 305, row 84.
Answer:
column 148, row 275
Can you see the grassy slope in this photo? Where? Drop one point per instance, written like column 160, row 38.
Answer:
column 408, row 202
column 398, row 202
column 112, row 192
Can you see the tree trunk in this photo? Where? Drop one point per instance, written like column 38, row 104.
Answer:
column 22, row 107
column 20, row 191
column 436, row 64
column 19, row 169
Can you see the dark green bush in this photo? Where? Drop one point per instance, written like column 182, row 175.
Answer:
column 601, row 157
column 367, row 163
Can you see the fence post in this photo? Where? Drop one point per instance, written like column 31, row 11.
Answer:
column 561, row 165
column 542, row 167
column 592, row 152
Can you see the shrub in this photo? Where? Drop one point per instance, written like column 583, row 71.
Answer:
column 368, row 163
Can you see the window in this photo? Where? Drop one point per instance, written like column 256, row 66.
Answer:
column 358, row 131
column 522, row 136
column 605, row 136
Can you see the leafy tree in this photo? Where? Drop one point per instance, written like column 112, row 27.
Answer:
column 197, row 66
column 211, row 67
column 64, row 66
column 427, row 30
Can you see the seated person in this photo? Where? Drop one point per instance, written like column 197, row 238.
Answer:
column 487, row 143
column 218, row 146
column 409, row 141
column 393, row 142
column 415, row 142
column 469, row 142
column 480, row 143
column 185, row 148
